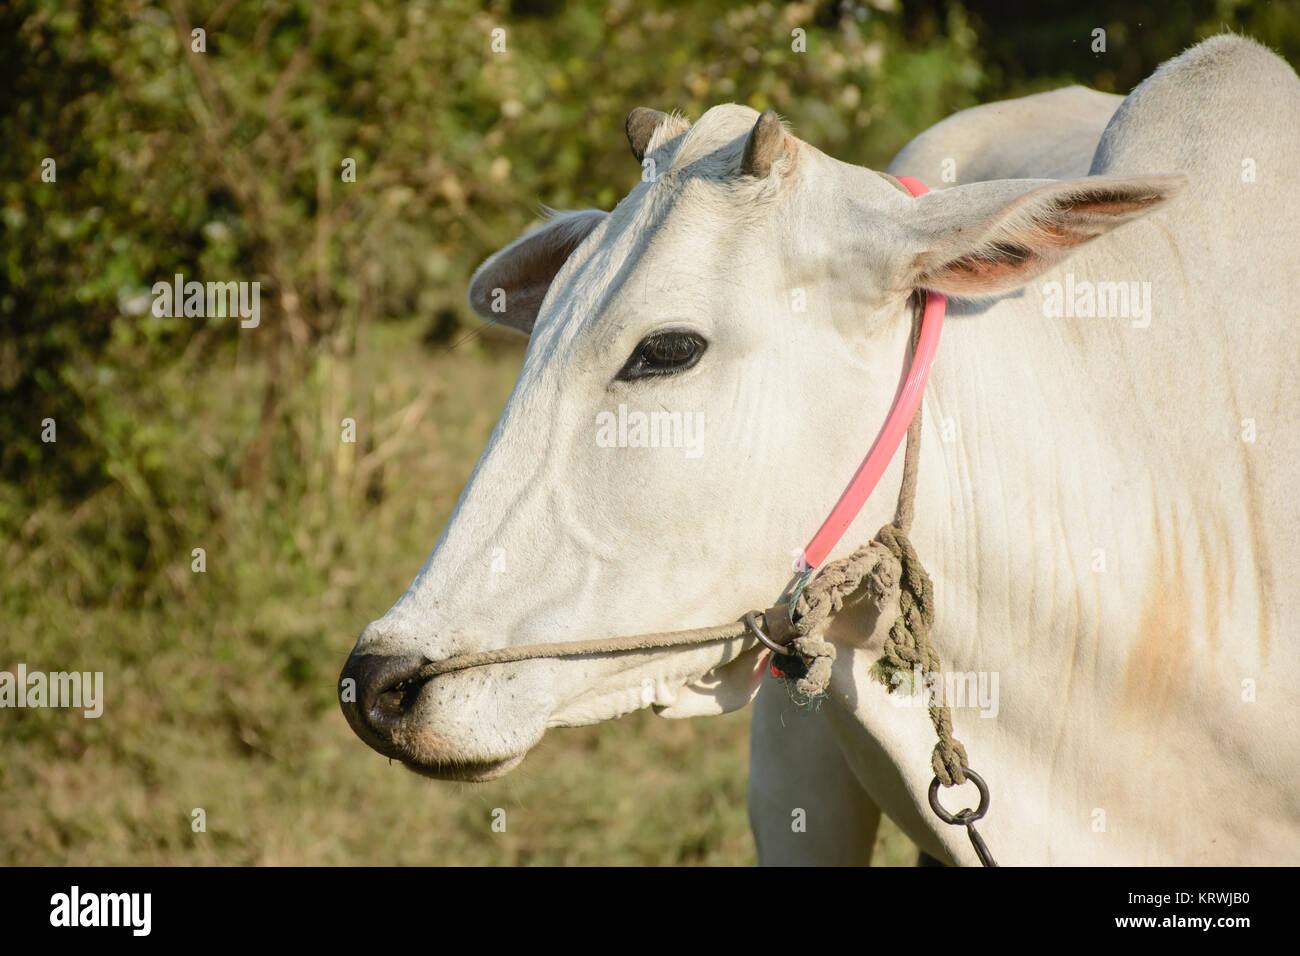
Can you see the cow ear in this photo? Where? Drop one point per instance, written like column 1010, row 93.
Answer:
column 993, row 237
column 508, row 288
column 646, row 127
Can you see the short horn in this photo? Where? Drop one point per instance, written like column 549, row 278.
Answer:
column 766, row 145
column 641, row 125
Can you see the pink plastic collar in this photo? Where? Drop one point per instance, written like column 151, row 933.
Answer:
column 891, row 436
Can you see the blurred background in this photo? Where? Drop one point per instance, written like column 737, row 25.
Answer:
column 183, row 433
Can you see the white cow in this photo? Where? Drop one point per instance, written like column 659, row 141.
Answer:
column 1105, row 500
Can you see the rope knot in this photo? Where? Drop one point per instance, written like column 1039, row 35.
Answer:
column 871, row 569
column 884, row 570
column 871, row 566
column 818, row 656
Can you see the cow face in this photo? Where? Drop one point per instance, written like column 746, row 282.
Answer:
column 707, row 364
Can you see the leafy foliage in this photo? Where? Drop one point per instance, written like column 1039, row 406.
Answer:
column 177, row 433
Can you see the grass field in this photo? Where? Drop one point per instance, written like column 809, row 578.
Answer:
column 220, row 686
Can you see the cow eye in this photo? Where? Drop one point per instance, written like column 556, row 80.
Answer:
column 663, row 353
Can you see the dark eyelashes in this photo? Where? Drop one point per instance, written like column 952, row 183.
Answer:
column 661, row 353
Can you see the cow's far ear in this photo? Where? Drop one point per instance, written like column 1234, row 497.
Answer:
column 993, row 237
column 509, row 287
column 647, row 127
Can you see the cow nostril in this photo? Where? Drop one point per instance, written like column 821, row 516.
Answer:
column 391, row 702
column 384, row 687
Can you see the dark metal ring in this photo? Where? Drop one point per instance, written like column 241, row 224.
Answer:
column 751, row 621
column 962, row 817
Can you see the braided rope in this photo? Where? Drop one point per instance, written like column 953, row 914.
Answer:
column 908, row 646
column 883, row 570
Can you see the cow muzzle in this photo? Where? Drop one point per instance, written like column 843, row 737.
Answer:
column 389, row 707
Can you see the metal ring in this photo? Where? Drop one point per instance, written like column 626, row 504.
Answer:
column 962, row 817
column 751, row 621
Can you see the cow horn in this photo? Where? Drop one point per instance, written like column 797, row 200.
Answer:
column 765, row 145
column 641, row 125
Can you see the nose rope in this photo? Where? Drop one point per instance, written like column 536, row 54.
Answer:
column 614, row 645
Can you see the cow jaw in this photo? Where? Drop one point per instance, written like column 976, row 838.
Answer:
column 720, row 691
column 674, row 687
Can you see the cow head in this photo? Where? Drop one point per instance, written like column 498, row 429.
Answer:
column 707, row 364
